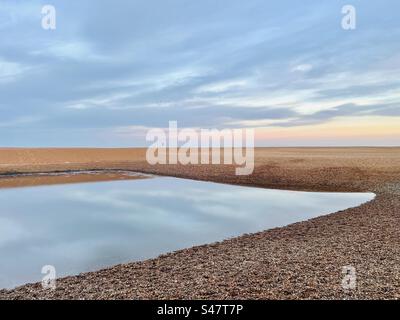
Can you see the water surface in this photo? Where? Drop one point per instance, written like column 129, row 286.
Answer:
column 84, row 227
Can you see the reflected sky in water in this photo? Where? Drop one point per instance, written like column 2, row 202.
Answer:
column 83, row 227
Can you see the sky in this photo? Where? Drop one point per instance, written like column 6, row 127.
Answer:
column 112, row 70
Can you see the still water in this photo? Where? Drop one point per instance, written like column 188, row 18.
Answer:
column 84, row 227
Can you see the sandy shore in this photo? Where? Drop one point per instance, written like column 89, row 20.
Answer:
column 49, row 178
column 300, row 261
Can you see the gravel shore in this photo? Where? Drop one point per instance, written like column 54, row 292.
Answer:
column 300, row 261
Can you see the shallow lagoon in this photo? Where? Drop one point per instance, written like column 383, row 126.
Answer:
column 88, row 226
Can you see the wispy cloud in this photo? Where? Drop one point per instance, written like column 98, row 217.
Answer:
column 205, row 64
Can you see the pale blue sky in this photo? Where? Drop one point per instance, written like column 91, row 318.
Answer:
column 113, row 69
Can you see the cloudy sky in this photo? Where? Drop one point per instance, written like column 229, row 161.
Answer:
column 113, row 69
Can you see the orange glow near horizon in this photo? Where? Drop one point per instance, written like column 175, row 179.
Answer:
column 341, row 130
